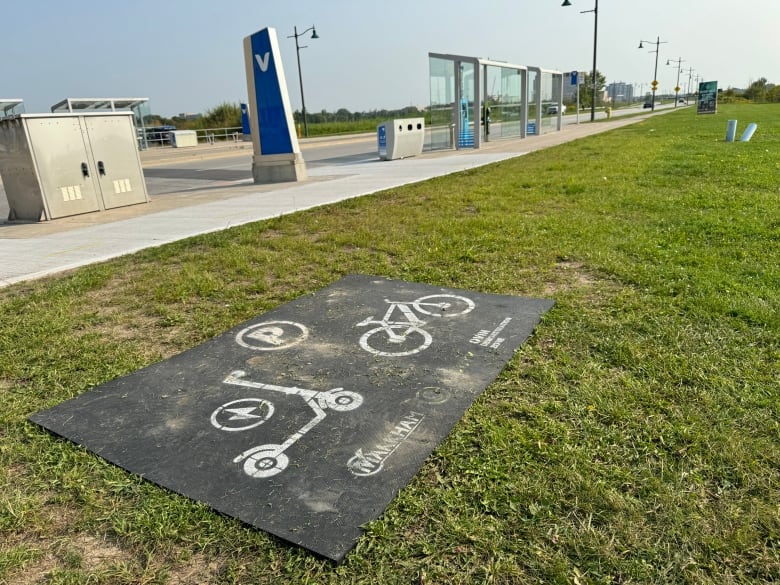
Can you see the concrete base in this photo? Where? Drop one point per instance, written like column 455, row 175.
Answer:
column 279, row 168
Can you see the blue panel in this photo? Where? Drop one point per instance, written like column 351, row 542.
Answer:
column 245, row 120
column 274, row 132
column 381, row 136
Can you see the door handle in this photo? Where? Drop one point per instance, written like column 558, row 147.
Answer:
column 84, row 170
column 101, row 168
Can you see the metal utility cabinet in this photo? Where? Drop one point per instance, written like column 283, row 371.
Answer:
column 56, row 165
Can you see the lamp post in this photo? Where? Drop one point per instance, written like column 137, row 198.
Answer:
column 298, row 48
column 595, row 12
column 654, row 85
column 676, row 87
column 690, row 71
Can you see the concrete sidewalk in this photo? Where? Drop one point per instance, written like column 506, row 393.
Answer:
column 34, row 250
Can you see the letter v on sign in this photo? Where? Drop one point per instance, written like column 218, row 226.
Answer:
column 262, row 62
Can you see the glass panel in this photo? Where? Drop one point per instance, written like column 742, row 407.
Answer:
column 512, row 84
column 466, row 106
column 504, row 98
column 440, row 133
column 551, row 94
column 533, row 103
column 143, row 112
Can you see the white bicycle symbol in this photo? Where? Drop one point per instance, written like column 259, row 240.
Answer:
column 268, row 460
column 409, row 333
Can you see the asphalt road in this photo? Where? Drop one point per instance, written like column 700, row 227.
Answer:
column 212, row 173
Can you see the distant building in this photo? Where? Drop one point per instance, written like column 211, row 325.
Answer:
column 570, row 91
column 620, row 92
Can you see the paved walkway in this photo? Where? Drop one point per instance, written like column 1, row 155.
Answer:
column 34, row 250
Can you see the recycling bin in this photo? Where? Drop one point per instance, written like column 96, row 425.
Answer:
column 400, row 138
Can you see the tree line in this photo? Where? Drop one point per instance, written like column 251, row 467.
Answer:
column 228, row 115
column 759, row 91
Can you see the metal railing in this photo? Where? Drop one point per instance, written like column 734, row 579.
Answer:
column 157, row 138
column 215, row 135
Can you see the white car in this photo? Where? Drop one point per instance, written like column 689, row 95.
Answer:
column 553, row 109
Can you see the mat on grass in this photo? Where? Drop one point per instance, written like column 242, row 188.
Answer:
column 306, row 421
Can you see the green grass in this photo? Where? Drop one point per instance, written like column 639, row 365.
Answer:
column 635, row 438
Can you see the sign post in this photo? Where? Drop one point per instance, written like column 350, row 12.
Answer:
column 277, row 155
column 575, row 81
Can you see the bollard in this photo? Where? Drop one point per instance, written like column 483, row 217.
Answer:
column 731, row 130
column 748, row 133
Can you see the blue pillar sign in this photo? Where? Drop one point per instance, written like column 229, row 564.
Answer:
column 245, row 120
column 277, row 155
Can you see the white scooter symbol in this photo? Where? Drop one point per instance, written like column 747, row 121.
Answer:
column 268, row 460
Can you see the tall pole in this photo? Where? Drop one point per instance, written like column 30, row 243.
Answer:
column 300, row 81
column 595, row 12
column 300, row 75
column 679, row 62
column 654, row 85
column 688, row 88
column 595, row 42
column 655, row 73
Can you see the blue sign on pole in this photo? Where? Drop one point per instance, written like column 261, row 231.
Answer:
column 574, row 78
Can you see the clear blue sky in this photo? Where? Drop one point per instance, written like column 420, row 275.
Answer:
column 186, row 55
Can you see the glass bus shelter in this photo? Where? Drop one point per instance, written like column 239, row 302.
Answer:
column 477, row 100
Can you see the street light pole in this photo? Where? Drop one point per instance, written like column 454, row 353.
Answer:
column 298, row 48
column 595, row 12
column 654, row 85
column 676, row 87
column 690, row 71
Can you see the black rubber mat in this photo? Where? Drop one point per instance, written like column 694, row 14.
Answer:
column 306, row 421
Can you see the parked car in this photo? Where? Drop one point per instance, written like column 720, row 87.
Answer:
column 159, row 135
column 553, row 109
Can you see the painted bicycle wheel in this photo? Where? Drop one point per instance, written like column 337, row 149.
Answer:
column 443, row 305
column 401, row 340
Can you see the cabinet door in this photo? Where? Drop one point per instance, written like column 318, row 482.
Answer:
column 115, row 158
column 64, row 166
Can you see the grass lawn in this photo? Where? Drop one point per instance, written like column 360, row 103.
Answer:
column 635, row 438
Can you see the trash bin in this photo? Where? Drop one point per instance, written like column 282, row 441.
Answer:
column 184, row 138
column 57, row 165
column 400, row 138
